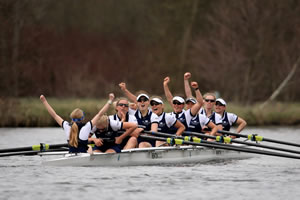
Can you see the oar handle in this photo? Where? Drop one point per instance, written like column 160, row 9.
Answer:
column 254, row 137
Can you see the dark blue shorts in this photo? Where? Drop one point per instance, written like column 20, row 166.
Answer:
column 152, row 142
column 105, row 147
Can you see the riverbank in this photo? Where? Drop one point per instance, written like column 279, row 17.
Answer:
column 29, row 112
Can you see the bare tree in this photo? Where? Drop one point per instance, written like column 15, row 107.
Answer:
column 242, row 53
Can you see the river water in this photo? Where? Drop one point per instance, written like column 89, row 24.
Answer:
column 260, row 177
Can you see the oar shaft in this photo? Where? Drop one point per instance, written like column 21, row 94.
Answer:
column 246, row 143
column 40, row 147
column 27, row 152
column 226, row 147
column 259, row 138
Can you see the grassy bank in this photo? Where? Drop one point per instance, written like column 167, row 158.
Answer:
column 29, row 112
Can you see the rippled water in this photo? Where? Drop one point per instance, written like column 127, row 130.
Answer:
column 260, row 177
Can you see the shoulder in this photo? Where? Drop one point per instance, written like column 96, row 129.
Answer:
column 132, row 118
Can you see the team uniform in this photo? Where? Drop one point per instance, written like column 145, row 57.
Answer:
column 197, row 123
column 215, row 117
column 166, row 122
column 228, row 120
column 184, row 117
column 83, row 135
column 145, row 123
column 129, row 118
column 108, row 136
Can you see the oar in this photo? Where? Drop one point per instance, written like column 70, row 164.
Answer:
column 28, row 153
column 40, row 147
column 198, row 142
column 254, row 137
column 229, row 140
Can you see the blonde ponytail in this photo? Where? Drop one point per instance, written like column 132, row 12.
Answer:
column 73, row 140
column 76, row 115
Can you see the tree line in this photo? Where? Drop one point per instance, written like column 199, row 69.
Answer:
column 242, row 49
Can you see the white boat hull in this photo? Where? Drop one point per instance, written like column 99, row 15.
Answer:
column 148, row 156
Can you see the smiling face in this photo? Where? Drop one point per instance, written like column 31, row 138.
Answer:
column 209, row 101
column 220, row 109
column 143, row 103
column 157, row 108
column 122, row 107
column 178, row 107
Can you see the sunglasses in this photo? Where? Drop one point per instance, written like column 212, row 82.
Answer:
column 154, row 103
column 210, row 100
column 177, row 103
column 123, row 104
column 219, row 104
column 142, row 100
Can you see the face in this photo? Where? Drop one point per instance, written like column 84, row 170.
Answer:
column 189, row 105
column 122, row 106
column 220, row 108
column 143, row 103
column 178, row 107
column 209, row 102
column 101, row 127
column 157, row 108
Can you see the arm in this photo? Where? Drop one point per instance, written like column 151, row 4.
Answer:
column 195, row 108
column 154, row 127
column 167, row 91
column 187, row 88
column 97, row 141
column 130, row 127
column 180, row 128
column 242, row 124
column 130, row 96
column 214, row 128
column 104, row 108
column 51, row 111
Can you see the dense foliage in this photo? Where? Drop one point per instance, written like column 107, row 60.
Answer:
column 243, row 49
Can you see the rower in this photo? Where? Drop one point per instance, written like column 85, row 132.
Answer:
column 229, row 119
column 107, row 138
column 76, row 132
column 147, row 120
column 122, row 115
column 178, row 103
column 167, row 121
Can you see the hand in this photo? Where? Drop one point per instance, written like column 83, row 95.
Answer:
column 42, row 98
column 98, row 142
column 136, row 133
column 122, row 86
column 166, row 80
column 187, row 76
column 111, row 96
column 194, row 85
column 118, row 140
column 123, row 116
column 133, row 106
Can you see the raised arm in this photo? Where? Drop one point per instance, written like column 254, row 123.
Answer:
column 129, row 95
column 187, row 88
column 196, row 107
column 167, row 91
column 104, row 109
column 51, row 111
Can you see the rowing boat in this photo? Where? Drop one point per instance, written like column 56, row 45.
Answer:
column 147, row 156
